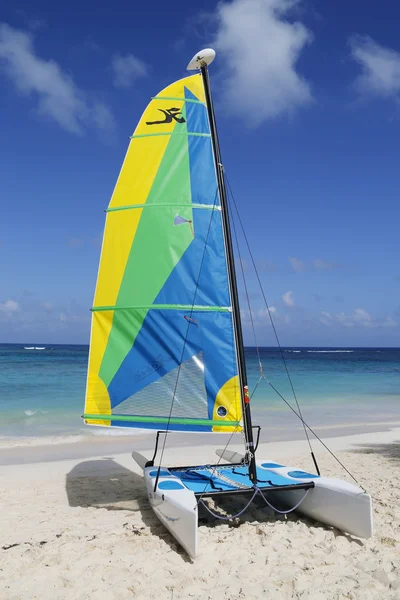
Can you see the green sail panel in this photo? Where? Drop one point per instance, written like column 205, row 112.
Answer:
column 162, row 331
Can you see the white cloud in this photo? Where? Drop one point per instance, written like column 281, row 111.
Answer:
column 317, row 264
column 244, row 315
column 260, row 48
column 362, row 315
column 322, row 265
column 326, row 319
column 127, row 69
column 389, row 322
column 288, row 298
column 297, row 265
column 9, row 307
column 59, row 98
column 27, row 319
column 262, row 313
column 261, row 316
column 358, row 318
column 380, row 67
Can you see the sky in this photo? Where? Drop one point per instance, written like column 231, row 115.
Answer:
column 307, row 98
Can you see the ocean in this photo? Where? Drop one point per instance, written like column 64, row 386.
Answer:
column 340, row 390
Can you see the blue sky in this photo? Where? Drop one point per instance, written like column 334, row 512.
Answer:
column 307, row 97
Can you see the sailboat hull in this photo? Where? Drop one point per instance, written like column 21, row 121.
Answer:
column 175, row 506
column 330, row 501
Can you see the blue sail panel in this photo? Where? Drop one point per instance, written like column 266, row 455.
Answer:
column 180, row 372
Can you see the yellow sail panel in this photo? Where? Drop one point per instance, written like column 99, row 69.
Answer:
column 194, row 84
column 148, row 153
column 134, row 183
column 97, row 396
column 142, row 161
column 161, row 313
column 228, row 398
column 119, row 234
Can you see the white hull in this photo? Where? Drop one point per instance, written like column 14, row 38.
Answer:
column 176, row 509
column 331, row 501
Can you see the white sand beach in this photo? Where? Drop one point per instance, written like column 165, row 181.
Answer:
column 82, row 528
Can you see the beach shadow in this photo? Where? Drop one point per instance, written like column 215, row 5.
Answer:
column 391, row 451
column 105, row 484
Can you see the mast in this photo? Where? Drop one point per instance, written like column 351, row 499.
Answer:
column 202, row 60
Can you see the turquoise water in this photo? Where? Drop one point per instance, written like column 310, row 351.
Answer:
column 42, row 391
column 340, row 388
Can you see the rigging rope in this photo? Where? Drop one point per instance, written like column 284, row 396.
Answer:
column 184, row 345
column 314, row 434
column 246, row 291
column 271, row 320
column 221, row 457
column 298, row 414
column 257, row 491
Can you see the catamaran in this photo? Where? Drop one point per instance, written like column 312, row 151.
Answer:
column 166, row 347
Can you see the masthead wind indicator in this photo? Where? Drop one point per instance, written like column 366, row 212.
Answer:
column 200, row 59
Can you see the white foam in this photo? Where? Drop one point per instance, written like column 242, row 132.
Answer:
column 34, row 347
column 329, row 351
column 23, row 442
column 116, row 431
column 30, row 413
column 53, row 440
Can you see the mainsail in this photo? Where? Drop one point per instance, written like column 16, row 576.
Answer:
column 162, row 348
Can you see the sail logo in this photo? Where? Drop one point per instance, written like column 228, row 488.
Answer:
column 171, row 114
column 155, row 365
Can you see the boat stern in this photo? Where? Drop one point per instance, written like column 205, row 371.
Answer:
column 175, row 505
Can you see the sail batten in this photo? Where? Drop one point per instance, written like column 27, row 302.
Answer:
column 181, row 98
column 158, row 420
column 162, row 342
column 135, row 206
column 185, row 307
column 170, row 133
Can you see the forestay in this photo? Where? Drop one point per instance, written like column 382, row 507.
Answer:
column 162, row 334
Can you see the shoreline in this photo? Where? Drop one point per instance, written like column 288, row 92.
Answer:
column 83, row 528
column 92, row 447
